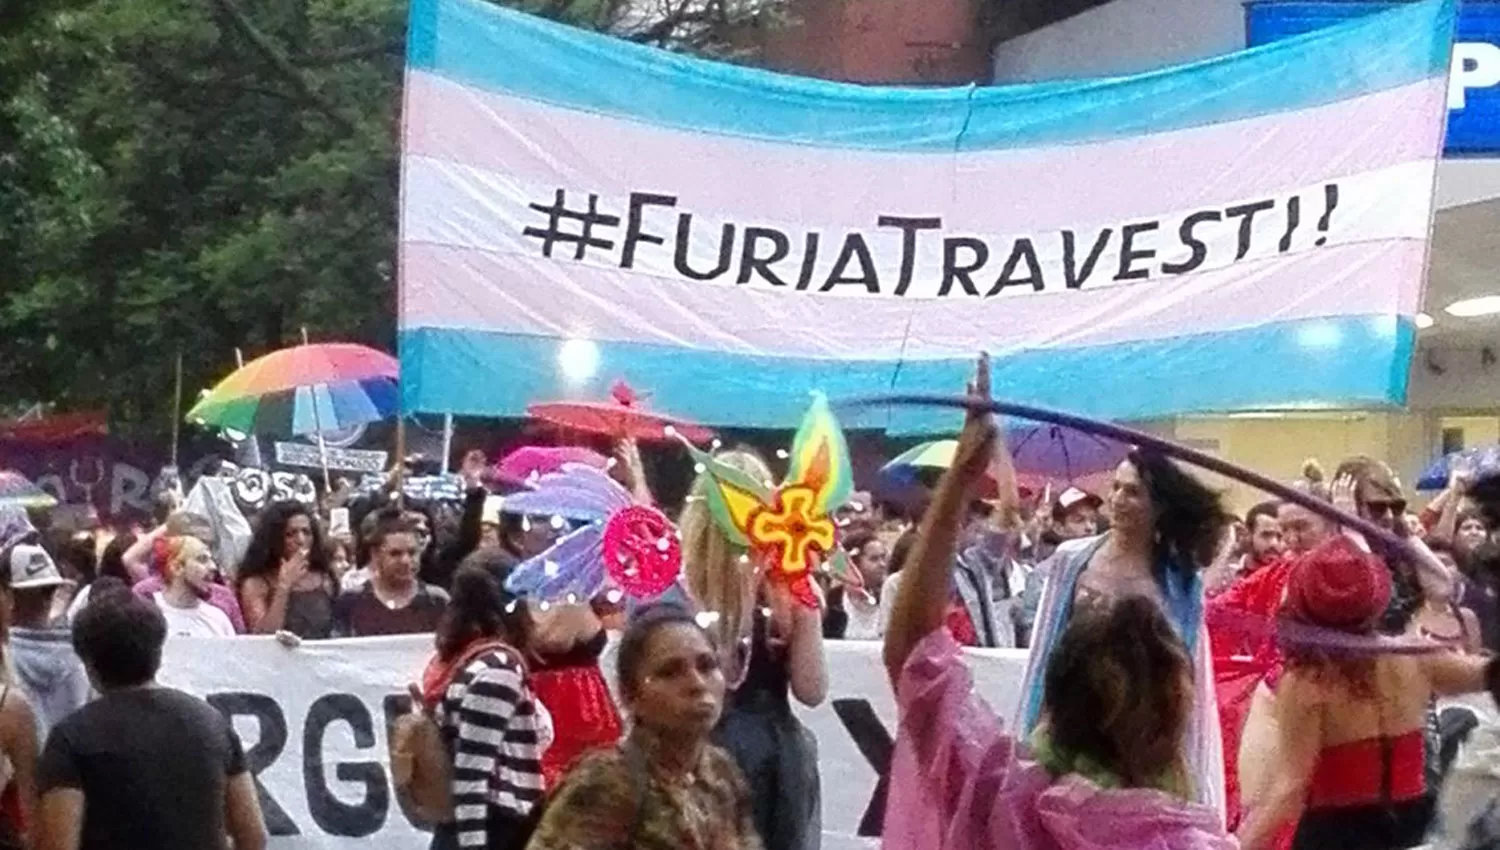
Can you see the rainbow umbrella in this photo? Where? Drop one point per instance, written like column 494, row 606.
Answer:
column 304, row 390
column 18, row 491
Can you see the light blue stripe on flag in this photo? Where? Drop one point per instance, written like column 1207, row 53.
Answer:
column 489, row 47
column 1353, row 361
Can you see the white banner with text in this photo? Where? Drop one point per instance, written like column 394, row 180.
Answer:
column 314, row 720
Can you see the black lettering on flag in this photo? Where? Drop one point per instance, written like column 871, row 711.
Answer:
column 809, row 260
column 953, row 271
column 909, row 228
column 633, row 233
column 1073, row 276
column 1246, row 214
column 854, row 249
column 1197, row 246
column 269, row 743
column 1021, row 250
column 333, row 815
column 751, row 264
column 684, row 243
column 1129, row 253
column 875, row 744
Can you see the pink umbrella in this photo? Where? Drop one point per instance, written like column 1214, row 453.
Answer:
column 530, row 462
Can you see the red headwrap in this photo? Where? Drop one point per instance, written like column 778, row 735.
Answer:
column 1338, row 586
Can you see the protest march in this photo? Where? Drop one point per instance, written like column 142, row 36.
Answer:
column 626, row 438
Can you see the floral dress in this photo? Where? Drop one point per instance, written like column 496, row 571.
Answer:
column 615, row 800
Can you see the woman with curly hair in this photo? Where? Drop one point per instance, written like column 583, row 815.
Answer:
column 1107, row 764
column 1165, row 526
column 285, row 581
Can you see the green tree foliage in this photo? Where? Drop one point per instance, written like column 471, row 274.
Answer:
column 197, row 176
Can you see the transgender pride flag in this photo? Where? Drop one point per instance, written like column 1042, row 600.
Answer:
column 1245, row 232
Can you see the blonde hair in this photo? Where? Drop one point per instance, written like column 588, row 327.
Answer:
column 719, row 581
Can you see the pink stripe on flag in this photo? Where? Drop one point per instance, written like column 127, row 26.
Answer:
column 1001, row 191
column 473, row 289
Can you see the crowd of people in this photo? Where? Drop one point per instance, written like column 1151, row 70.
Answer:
column 1194, row 680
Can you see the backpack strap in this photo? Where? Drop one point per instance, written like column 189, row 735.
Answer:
column 435, row 680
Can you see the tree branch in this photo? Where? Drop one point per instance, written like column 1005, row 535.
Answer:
column 283, row 65
column 365, row 51
column 664, row 28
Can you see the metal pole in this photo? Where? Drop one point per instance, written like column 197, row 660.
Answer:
column 318, row 424
column 447, row 440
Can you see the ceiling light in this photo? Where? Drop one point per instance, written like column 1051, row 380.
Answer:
column 1470, row 307
column 1422, row 320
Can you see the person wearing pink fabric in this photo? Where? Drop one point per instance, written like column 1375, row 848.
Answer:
column 1107, row 766
column 217, row 594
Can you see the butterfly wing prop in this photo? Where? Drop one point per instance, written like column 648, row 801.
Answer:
column 732, row 496
column 571, row 571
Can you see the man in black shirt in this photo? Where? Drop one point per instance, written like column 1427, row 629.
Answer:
column 395, row 601
column 143, row 765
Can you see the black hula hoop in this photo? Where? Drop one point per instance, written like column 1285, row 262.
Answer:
column 1286, row 630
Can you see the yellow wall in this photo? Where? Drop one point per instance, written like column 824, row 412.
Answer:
column 1278, row 446
column 1478, row 430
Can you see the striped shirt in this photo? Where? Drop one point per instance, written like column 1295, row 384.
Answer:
column 489, row 721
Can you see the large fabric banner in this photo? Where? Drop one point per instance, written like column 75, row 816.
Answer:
column 314, row 723
column 1246, row 231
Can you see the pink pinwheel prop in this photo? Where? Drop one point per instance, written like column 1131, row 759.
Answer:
column 634, row 547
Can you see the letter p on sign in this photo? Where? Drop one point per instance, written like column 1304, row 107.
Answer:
column 1476, row 65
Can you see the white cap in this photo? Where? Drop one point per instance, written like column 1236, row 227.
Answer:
column 1072, row 497
column 31, row 568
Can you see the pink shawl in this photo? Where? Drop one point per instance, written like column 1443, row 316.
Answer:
column 959, row 782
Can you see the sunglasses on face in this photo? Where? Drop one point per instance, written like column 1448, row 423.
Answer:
column 1381, row 507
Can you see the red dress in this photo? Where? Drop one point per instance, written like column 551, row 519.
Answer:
column 584, row 717
column 1240, row 631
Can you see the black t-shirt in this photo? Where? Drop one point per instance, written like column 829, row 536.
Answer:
column 360, row 613
column 153, row 765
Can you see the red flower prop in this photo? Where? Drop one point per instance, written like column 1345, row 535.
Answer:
column 641, row 551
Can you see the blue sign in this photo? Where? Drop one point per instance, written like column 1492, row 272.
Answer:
column 1474, row 90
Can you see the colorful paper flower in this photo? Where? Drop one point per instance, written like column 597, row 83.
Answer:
column 790, row 527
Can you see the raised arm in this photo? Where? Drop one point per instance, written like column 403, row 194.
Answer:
column 926, row 583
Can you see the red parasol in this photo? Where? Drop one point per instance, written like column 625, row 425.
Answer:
column 621, row 418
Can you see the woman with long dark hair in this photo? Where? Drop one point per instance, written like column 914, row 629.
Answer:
column 476, row 687
column 1164, row 527
column 1106, row 765
column 285, row 582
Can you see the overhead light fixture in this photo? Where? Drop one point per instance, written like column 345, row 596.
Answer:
column 1422, row 321
column 1468, row 308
